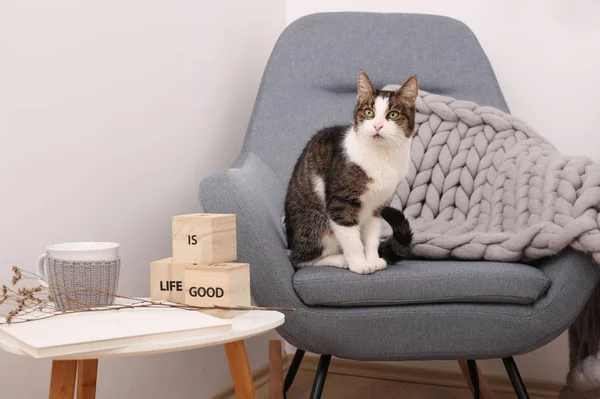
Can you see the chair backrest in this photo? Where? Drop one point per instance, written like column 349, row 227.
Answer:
column 310, row 80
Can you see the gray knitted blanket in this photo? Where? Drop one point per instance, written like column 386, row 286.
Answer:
column 483, row 185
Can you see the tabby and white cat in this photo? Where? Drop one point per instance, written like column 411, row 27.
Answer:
column 344, row 180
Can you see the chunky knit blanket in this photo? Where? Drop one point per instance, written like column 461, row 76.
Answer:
column 483, row 185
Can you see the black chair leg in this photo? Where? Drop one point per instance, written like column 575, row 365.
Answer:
column 474, row 375
column 293, row 370
column 515, row 378
column 321, row 374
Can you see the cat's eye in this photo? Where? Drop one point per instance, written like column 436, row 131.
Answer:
column 369, row 113
column 393, row 115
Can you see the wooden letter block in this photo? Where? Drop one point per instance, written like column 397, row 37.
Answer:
column 167, row 281
column 204, row 238
column 223, row 284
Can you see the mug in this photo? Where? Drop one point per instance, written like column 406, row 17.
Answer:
column 79, row 252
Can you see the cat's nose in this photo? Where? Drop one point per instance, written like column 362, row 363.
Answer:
column 378, row 126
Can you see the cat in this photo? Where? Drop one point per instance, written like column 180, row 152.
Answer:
column 344, row 180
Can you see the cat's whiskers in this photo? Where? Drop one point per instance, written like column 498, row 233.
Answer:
column 400, row 143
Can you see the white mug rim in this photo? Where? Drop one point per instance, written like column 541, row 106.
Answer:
column 81, row 246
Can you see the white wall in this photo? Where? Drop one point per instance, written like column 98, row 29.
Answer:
column 544, row 52
column 111, row 112
column 545, row 55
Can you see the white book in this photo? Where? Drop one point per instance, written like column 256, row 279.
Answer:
column 93, row 331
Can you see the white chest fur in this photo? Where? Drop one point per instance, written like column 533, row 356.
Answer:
column 385, row 162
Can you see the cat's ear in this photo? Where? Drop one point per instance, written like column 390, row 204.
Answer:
column 407, row 94
column 366, row 91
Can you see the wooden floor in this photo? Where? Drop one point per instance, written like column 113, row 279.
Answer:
column 349, row 387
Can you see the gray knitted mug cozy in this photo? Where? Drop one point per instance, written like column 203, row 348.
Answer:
column 82, row 284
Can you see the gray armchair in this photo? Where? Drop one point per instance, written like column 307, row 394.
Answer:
column 418, row 309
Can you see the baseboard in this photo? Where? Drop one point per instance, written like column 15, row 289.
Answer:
column 446, row 378
column 397, row 372
column 260, row 378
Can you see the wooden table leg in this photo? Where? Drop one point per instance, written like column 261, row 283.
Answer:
column 275, row 370
column 87, row 373
column 62, row 381
column 240, row 370
column 484, row 388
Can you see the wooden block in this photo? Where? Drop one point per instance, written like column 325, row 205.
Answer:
column 223, row 284
column 160, row 275
column 167, row 280
column 204, row 238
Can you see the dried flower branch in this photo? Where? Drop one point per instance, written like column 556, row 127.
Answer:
column 25, row 301
column 16, row 275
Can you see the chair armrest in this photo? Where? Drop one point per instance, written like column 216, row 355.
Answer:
column 255, row 194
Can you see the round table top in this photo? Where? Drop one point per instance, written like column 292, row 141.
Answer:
column 246, row 325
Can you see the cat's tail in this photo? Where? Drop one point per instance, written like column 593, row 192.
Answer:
column 398, row 245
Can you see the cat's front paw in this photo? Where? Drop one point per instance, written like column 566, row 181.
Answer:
column 377, row 263
column 362, row 268
column 365, row 267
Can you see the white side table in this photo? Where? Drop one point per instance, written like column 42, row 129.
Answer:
column 82, row 367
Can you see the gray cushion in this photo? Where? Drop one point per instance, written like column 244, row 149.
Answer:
column 422, row 281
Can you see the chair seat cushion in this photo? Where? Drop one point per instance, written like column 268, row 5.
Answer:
column 422, row 281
